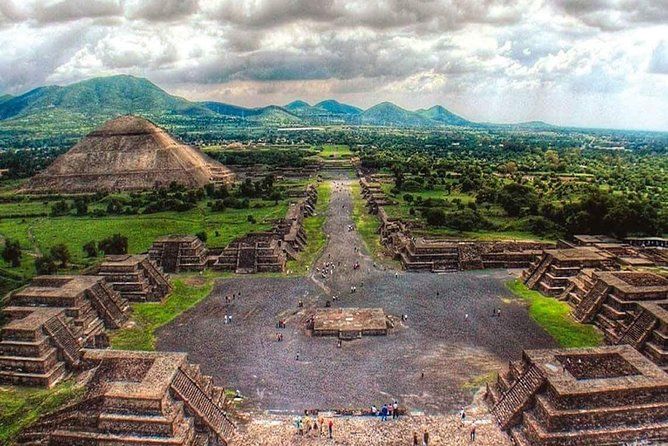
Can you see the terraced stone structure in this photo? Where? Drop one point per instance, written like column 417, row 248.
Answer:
column 566, row 397
column 139, row 399
column 550, row 272
column 50, row 320
column 177, row 253
column 252, row 253
column 349, row 323
column 128, row 153
column 135, row 278
column 437, row 254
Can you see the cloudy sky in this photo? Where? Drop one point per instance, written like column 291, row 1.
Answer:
column 597, row 63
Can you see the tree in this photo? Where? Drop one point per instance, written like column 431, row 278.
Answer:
column 81, row 206
column 434, row 216
column 45, row 265
column 60, row 253
column 115, row 245
column 11, row 253
column 202, row 236
column 90, row 249
column 60, row 208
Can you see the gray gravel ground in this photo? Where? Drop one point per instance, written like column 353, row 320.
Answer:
column 437, row 339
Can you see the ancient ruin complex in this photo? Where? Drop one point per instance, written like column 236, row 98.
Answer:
column 252, row 253
column 50, row 320
column 138, row 398
column 605, row 395
column 349, row 323
column 438, row 254
column 135, row 278
column 128, row 153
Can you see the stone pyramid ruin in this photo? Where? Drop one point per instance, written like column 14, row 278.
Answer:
column 128, row 153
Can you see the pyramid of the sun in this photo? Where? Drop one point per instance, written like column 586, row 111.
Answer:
column 128, row 153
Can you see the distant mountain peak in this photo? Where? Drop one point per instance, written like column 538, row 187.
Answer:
column 296, row 104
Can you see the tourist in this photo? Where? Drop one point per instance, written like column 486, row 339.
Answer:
column 374, row 410
column 307, row 424
column 425, row 439
column 330, row 426
column 321, row 425
column 300, row 426
column 463, row 415
column 390, row 411
column 383, row 412
column 473, row 432
column 297, row 357
column 395, row 410
column 415, row 439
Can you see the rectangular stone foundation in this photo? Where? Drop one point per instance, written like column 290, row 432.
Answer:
column 350, row 322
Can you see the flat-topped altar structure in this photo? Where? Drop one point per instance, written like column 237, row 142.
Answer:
column 350, row 323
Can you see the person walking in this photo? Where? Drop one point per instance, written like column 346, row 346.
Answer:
column 415, row 439
column 473, row 433
column 425, row 439
column 383, row 412
column 330, row 427
column 395, row 410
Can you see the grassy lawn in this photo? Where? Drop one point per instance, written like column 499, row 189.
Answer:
column 335, row 151
column 314, row 227
column 189, row 290
column 22, row 406
column 554, row 316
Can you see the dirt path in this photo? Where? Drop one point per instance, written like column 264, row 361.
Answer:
column 450, row 334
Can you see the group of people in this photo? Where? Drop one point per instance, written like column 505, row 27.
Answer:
column 386, row 411
column 307, row 425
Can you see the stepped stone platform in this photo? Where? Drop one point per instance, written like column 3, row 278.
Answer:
column 139, row 399
column 50, row 321
column 252, row 253
column 550, row 272
column 135, row 278
column 565, row 397
column 128, row 153
column 349, row 323
column 177, row 253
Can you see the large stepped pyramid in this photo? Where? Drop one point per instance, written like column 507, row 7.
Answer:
column 139, row 399
column 128, row 153
column 567, row 397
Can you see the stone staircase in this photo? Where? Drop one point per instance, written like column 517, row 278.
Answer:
column 639, row 330
column 535, row 275
column 64, row 340
column 246, row 261
column 109, row 305
column 508, row 409
column 586, row 309
column 199, row 399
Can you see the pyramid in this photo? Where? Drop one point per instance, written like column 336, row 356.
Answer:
column 128, row 153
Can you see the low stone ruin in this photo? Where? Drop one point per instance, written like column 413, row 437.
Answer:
column 50, row 320
column 177, row 253
column 138, row 398
column 349, row 323
column 550, row 272
column 135, row 277
column 559, row 397
column 252, row 253
column 440, row 254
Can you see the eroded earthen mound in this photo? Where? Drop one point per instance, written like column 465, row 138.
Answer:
column 128, row 153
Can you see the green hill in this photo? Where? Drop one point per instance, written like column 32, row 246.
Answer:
column 442, row 115
column 389, row 114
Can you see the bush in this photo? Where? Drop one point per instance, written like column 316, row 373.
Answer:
column 45, row 265
column 202, row 236
column 434, row 216
column 60, row 208
column 90, row 249
column 114, row 245
column 60, row 253
column 11, row 253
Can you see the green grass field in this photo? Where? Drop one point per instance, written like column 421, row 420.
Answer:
column 22, row 406
column 554, row 316
column 147, row 317
column 335, row 151
column 315, row 234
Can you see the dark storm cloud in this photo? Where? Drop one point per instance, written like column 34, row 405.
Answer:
column 68, row 10
column 614, row 15
column 420, row 15
column 160, row 10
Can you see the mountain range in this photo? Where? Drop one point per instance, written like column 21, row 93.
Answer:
column 106, row 97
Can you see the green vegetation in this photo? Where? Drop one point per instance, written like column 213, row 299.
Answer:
column 22, row 406
column 335, row 151
column 315, row 234
column 189, row 290
column 554, row 316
